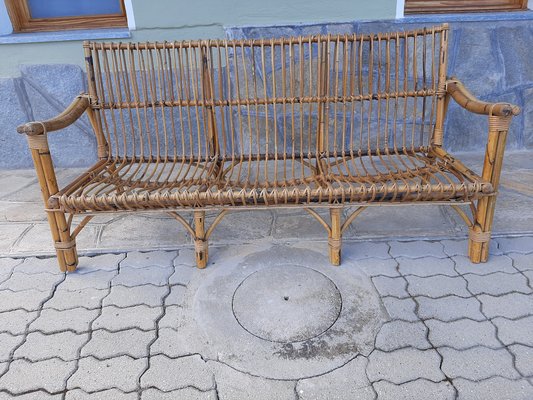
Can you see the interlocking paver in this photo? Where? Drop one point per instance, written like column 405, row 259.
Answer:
column 522, row 262
column 29, row 300
column 449, row 308
column 37, row 395
column 386, row 286
column 24, row 376
column 182, row 394
column 477, row 363
column 362, row 250
column 85, row 298
column 169, row 342
column 20, row 281
column 122, row 296
column 121, row 373
column 110, row 394
column 101, row 262
column 460, row 247
column 523, row 358
column 130, row 276
column 75, row 319
column 497, row 284
column 515, row 331
column 493, row 264
column 182, row 275
column 7, row 266
column 520, row 244
column 132, row 342
column 171, row 319
column 403, row 309
column 64, row 345
column 426, row 266
column 8, row 343
column 169, row 374
column 419, row 389
column 115, row 319
column 511, row 305
column 404, row 365
column 15, row 322
column 462, row 334
column 176, row 296
column 529, row 276
column 138, row 259
column 33, row 265
column 233, row 384
column 437, row 286
column 91, row 280
column 185, row 257
column 416, row 249
column 352, row 376
column 376, row 266
column 397, row 334
column 493, row 388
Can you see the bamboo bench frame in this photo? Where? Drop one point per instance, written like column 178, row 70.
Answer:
column 345, row 120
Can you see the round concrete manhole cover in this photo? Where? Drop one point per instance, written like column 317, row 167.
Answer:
column 287, row 304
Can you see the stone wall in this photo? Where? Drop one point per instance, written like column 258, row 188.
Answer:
column 493, row 59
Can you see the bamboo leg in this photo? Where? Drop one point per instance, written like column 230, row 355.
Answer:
column 335, row 236
column 200, row 240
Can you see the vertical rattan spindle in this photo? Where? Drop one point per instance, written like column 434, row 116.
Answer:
column 335, row 236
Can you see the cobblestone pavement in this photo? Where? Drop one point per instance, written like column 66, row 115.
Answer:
column 120, row 327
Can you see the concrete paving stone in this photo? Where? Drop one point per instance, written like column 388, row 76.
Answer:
column 288, row 222
column 141, row 276
column 122, row 296
column 34, row 265
column 494, row 388
column 20, row 281
column 522, row 262
column 515, row 331
column 437, row 286
column 76, row 319
column 37, row 395
column 374, row 266
column 529, row 276
column 386, row 286
column 137, row 259
column 462, row 334
column 176, row 296
column 12, row 183
column 8, row 343
column 363, row 250
column 110, row 394
column 494, row 264
column 236, row 226
column 7, row 266
column 402, row 309
column 24, row 376
column 22, row 211
column 511, row 305
column 449, row 308
column 116, row 319
column 168, row 343
column 233, row 384
column 9, row 233
column 398, row 334
column 64, row 345
column 15, row 322
column 419, row 389
column 182, row 275
column 181, row 394
column 497, row 284
column 522, row 244
column 101, row 262
column 349, row 379
column 119, row 373
column 171, row 318
column 417, row 249
column 29, row 300
column 477, row 363
column 92, row 280
column 523, row 358
column 168, row 374
column 85, row 298
column 460, row 247
column 404, row 365
column 131, row 342
column 426, row 266
column 185, row 257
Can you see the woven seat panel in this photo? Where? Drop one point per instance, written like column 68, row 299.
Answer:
column 135, row 185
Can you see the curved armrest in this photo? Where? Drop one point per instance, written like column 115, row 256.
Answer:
column 72, row 113
column 468, row 101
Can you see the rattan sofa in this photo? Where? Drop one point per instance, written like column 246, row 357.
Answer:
column 321, row 121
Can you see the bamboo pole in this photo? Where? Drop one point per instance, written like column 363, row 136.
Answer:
column 200, row 240
column 335, row 237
